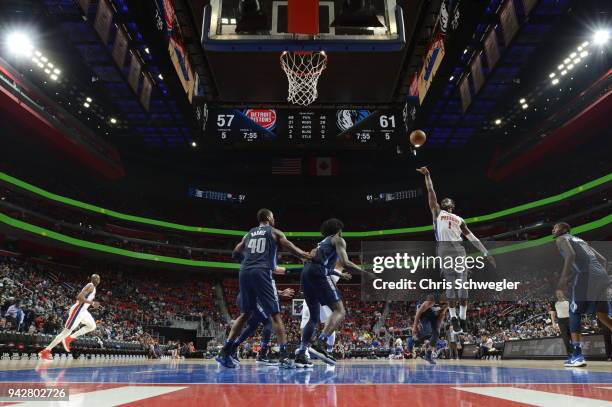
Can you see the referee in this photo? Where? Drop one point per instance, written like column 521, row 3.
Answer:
column 560, row 311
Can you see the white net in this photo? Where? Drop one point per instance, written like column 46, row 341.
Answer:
column 303, row 70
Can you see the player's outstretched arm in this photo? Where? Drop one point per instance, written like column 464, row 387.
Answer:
column 340, row 245
column 477, row 243
column 570, row 256
column 431, row 193
column 284, row 242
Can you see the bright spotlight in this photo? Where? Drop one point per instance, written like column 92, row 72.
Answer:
column 600, row 37
column 560, row 67
column 555, row 81
column 552, row 75
column 54, row 77
column 113, row 120
column 57, row 71
column 194, row 144
column 525, row 106
column 563, row 72
column 498, row 121
column 584, row 54
column 88, row 99
column 522, row 100
column 566, row 60
column 19, row 44
column 86, row 104
column 570, row 66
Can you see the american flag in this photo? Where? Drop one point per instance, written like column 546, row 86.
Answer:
column 287, row 166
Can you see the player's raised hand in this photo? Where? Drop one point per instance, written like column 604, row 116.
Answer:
column 287, row 293
column 423, row 170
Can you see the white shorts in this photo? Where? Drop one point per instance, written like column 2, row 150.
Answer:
column 324, row 314
column 77, row 315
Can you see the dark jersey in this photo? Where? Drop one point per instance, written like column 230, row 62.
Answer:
column 585, row 261
column 326, row 254
column 259, row 248
column 434, row 310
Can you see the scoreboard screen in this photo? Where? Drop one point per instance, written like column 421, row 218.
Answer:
column 320, row 127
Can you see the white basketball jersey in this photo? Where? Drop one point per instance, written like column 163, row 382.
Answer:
column 90, row 297
column 447, row 227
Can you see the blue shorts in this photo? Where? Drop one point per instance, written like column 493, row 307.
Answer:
column 319, row 288
column 589, row 293
column 261, row 314
column 258, row 292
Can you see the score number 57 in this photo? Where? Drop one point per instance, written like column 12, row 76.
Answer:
column 224, row 120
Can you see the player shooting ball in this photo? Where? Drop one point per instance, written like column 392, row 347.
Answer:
column 449, row 230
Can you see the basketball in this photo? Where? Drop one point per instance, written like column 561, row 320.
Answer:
column 417, row 138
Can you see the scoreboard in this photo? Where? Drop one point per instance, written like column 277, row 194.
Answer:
column 316, row 127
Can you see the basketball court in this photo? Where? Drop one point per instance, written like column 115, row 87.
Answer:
column 389, row 383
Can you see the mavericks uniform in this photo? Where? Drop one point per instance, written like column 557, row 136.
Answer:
column 78, row 314
column 429, row 324
column 319, row 288
column 447, row 228
column 324, row 312
column 257, row 287
column 589, row 281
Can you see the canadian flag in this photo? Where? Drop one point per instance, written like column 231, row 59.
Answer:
column 323, row 166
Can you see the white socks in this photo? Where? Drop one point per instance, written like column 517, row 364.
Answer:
column 452, row 312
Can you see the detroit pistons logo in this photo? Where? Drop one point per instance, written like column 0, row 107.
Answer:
column 266, row 118
column 345, row 119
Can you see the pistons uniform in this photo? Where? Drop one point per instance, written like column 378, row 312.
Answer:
column 257, row 287
column 78, row 313
column 589, row 281
column 317, row 283
column 447, row 228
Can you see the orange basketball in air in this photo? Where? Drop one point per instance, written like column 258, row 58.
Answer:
column 418, row 138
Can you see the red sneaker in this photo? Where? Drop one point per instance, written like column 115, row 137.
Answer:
column 45, row 354
column 66, row 342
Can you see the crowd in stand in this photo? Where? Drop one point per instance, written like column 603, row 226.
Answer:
column 35, row 297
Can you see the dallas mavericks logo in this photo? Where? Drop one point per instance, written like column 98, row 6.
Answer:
column 345, row 119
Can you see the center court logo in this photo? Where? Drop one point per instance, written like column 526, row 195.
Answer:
column 266, row 118
column 345, row 119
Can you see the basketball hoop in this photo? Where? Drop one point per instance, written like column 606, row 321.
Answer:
column 303, row 69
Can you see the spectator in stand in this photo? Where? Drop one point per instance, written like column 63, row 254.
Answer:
column 51, row 325
column 15, row 315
